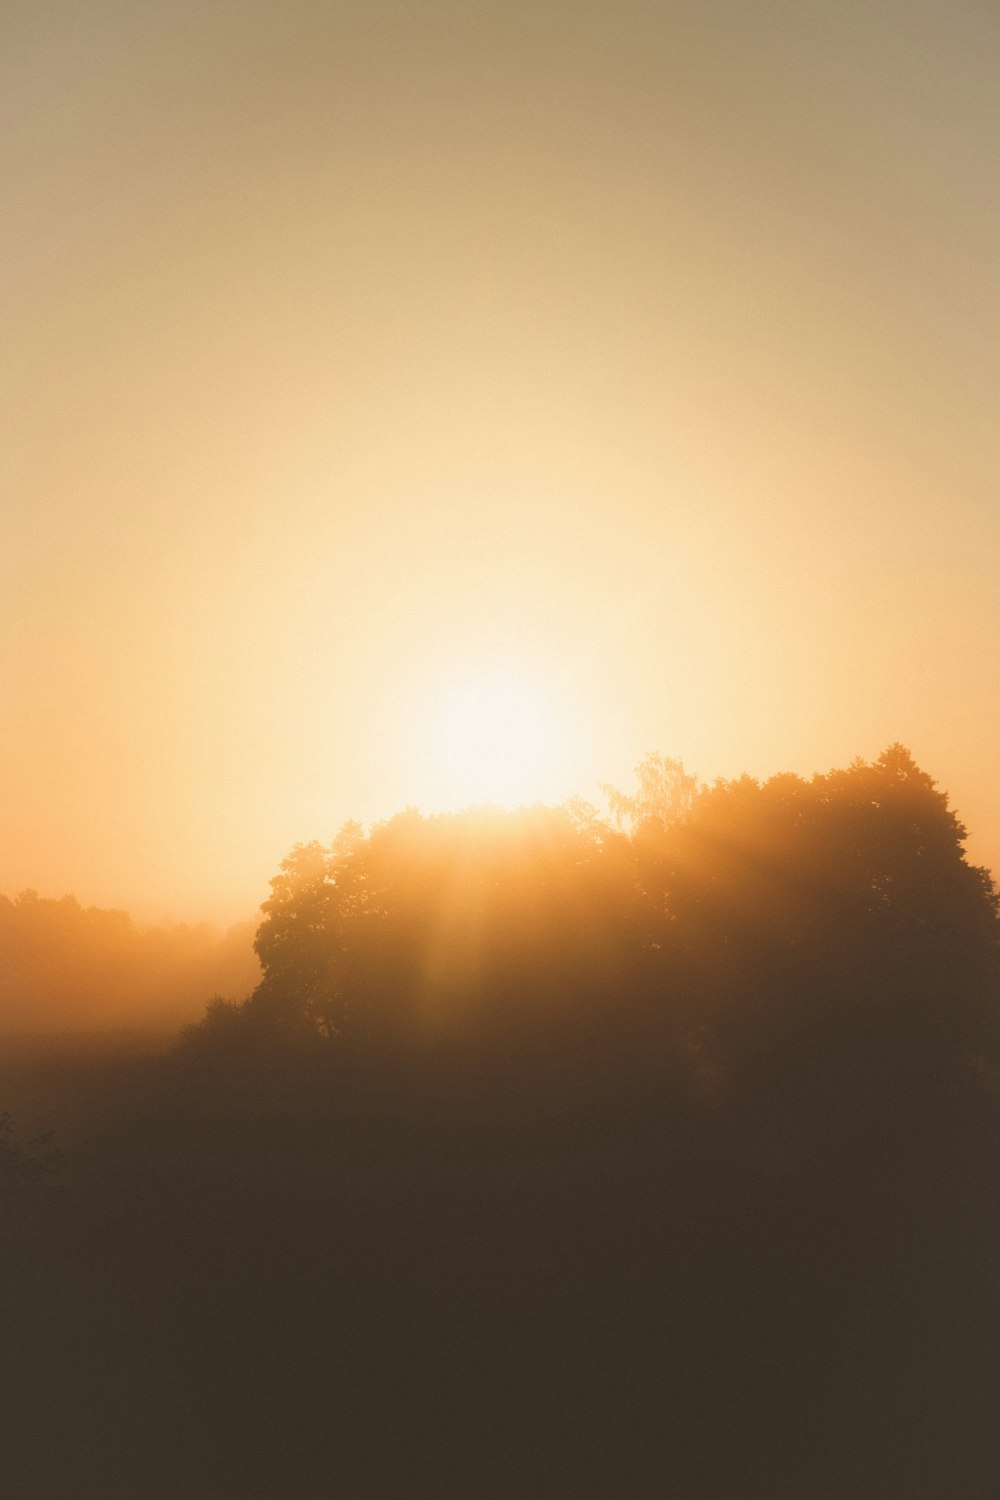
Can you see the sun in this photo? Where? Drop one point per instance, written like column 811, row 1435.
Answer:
column 497, row 738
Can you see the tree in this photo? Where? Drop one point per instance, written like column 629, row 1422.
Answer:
column 450, row 915
column 742, row 906
column 308, row 934
column 665, row 794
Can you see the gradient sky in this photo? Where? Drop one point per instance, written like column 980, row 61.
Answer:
column 649, row 350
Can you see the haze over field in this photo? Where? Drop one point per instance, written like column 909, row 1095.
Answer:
column 643, row 356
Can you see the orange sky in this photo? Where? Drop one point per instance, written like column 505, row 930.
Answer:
column 349, row 349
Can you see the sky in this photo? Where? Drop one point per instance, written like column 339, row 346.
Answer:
column 643, row 354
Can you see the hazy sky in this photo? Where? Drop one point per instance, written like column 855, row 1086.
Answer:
column 647, row 350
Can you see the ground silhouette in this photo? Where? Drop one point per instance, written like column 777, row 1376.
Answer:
column 551, row 1155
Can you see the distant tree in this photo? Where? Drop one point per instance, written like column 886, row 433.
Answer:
column 665, row 794
column 66, row 966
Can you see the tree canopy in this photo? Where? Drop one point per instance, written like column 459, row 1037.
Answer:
column 692, row 897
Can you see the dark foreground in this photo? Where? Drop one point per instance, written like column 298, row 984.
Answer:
column 527, row 1275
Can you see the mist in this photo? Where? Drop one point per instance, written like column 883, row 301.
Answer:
column 69, row 968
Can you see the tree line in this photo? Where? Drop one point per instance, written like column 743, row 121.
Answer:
column 69, row 967
column 706, row 918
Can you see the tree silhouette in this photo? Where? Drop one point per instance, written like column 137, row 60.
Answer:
column 665, row 794
column 731, row 914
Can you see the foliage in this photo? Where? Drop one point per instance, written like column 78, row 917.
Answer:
column 665, row 795
column 810, row 892
column 433, row 918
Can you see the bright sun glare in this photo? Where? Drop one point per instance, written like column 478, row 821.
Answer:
column 496, row 738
